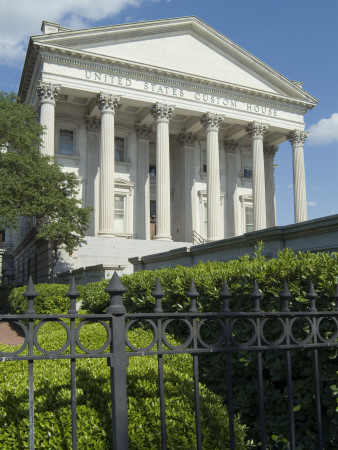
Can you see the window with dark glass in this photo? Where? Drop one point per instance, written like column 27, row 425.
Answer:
column 66, row 142
column 120, row 149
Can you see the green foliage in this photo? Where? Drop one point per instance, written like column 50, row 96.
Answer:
column 52, row 400
column 51, row 299
column 33, row 185
column 298, row 270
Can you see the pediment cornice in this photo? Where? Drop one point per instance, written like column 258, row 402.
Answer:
column 59, row 45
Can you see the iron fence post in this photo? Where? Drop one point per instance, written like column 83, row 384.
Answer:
column 118, row 364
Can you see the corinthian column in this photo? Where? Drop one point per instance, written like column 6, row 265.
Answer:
column 297, row 139
column 92, row 180
column 162, row 114
column 143, row 188
column 212, row 123
column 48, row 94
column 257, row 131
column 269, row 169
column 107, row 105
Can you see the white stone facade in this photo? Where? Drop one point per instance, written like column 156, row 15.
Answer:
column 171, row 127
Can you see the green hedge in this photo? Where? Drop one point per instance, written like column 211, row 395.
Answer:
column 51, row 299
column 298, row 270
column 52, row 400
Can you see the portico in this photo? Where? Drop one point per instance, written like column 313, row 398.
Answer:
column 185, row 143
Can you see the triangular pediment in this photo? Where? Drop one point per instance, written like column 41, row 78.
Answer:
column 179, row 47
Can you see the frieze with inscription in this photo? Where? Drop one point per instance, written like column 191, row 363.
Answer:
column 176, row 91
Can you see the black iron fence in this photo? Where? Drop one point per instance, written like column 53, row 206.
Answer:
column 292, row 330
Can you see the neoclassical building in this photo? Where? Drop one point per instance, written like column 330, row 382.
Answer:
column 171, row 127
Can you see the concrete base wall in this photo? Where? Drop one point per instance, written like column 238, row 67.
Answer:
column 313, row 235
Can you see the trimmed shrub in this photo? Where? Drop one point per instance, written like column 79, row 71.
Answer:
column 51, row 299
column 52, row 400
column 298, row 270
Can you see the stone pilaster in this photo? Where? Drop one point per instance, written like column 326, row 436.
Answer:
column 162, row 115
column 212, row 123
column 297, row 139
column 231, row 222
column 257, row 131
column 92, row 179
column 269, row 170
column 143, row 184
column 108, row 105
column 48, row 94
column 187, row 149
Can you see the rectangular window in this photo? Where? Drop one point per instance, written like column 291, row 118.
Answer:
column 247, row 166
column 2, row 235
column 66, row 142
column 248, row 219
column 204, row 160
column 120, row 149
column 119, row 214
column 205, row 219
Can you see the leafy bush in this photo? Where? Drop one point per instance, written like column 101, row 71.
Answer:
column 51, row 299
column 52, row 400
column 298, row 270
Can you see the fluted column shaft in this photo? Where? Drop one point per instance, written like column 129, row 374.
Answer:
column 187, row 148
column 257, row 131
column 212, row 123
column 107, row 105
column 231, row 175
column 93, row 126
column 48, row 95
column 269, row 170
column 297, row 139
column 143, row 184
column 162, row 114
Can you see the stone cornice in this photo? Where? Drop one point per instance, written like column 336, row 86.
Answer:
column 180, row 79
column 169, row 26
column 62, row 42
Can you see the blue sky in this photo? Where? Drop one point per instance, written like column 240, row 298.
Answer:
column 298, row 38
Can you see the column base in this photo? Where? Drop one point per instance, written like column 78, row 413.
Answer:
column 106, row 234
column 163, row 237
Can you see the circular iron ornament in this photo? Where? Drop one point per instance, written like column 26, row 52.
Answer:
column 186, row 343
column 254, row 332
column 23, row 346
column 310, row 335
column 88, row 350
column 282, row 335
column 51, row 352
column 152, row 343
column 335, row 334
column 220, row 340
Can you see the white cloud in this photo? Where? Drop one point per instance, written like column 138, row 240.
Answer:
column 324, row 132
column 22, row 18
column 310, row 203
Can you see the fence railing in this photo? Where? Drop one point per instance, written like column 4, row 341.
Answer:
column 230, row 339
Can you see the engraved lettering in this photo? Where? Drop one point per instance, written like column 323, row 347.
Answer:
column 128, row 82
column 97, row 76
column 181, row 93
column 197, row 96
column 88, row 74
column 145, row 87
column 233, row 104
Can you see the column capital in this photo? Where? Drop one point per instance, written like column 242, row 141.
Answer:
column 48, row 92
column 257, row 129
column 93, row 123
column 162, row 112
column 143, row 131
column 270, row 151
column 230, row 145
column 186, row 139
column 107, row 103
column 211, row 121
column 297, row 137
